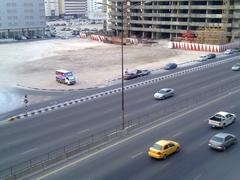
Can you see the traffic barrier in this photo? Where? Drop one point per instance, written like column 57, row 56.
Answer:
column 203, row 47
column 83, row 35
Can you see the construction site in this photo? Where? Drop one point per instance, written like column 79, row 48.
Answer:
column 214, row 22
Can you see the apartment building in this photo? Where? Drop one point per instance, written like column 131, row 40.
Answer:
column 52, row 8
column 95, row 10
column 75, row 8
column 22, row 18
column 169, row 19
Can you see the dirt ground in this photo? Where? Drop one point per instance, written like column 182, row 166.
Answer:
column 95, row 63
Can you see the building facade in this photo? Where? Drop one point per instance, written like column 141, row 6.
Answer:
column 169, row 19
column 22, row 18
column 75, row 8
column 95, row 10
column 52, row 8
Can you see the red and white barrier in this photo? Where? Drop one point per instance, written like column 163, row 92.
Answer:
column 83, row 35
column 202, row 47
column 97, row 38
column 133, row 40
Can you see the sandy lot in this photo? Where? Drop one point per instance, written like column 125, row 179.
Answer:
column 93, row 63
column 33, row 64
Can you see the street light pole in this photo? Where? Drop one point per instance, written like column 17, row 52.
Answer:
column 122, row 111
column 122, row 63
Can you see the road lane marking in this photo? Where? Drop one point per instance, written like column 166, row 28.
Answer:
column 28, row 151
column 197, row 177
column 136, row 155
column 83, row 131
column 139, row 133
column 177, row 134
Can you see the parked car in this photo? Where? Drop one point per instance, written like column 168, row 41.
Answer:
column 222, row 141
column 135, row 73
column 163, row 148
column 206, row 57
column 164, row 93
column 222, row 119
column 236, row 67
column 170, row 66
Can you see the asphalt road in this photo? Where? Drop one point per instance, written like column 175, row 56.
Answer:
column 36, row 135
column 128, row 158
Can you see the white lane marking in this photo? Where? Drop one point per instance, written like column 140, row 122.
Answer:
column 233, row 106
column 83, row 131
column 136, row 155
column 197, row 177
column 137, row 134
column 177, row 134
column 30, row 150
column 203, row 143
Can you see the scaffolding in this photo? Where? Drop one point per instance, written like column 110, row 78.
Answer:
column 215, row 35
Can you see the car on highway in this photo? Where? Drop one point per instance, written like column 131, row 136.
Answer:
column 222, row 119
column 135, row 73
column 170, row 66
column 231, row 51
column 163, row 148
column 236, row 67
column 221, row 141
column 164, row 93
column 206, row 57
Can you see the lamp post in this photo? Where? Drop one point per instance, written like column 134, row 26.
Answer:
column 122, row 61
column 123, row 97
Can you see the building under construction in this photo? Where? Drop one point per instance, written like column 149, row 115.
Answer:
column 202, row 21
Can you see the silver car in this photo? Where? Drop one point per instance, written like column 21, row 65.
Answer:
column 164, row 93
column 236, row 67
column 222, row 141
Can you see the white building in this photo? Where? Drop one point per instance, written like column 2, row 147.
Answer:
column 75, row 8
column 22, row 17
column 95, row 10
column 52, row 8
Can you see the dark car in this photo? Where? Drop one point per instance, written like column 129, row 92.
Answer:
column 136, row 73
column 222, row 141
column 211, row 56
column 170, row 66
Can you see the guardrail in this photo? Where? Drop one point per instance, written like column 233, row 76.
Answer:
column 97, row 140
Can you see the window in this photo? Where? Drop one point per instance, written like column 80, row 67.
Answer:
column 165, row 147
column 228, row 138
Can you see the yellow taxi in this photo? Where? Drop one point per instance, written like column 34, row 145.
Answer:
column 163, row 148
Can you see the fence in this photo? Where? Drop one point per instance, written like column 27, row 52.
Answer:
column 88, row 143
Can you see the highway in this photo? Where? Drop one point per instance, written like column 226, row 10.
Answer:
column 36, row 135
column 128, row 158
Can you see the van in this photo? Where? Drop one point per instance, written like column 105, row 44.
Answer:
column 65, row 77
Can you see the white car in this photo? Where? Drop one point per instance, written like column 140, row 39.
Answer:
column 222, row 119
column 206, row 57
column 164, row 93
column 230, row 51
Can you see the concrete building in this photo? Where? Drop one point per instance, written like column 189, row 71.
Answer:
column 169, row 19
column 52, row 8
column 75, row 8
column 22, row 18
column 96, row 10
